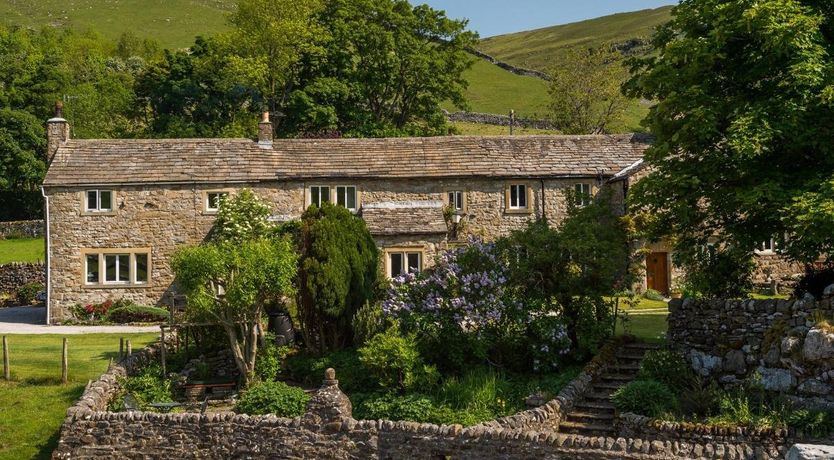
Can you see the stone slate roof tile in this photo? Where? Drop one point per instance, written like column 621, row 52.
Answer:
column 129, row 161
column 405, row 220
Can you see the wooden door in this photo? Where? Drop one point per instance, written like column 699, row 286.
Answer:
column 657, row 272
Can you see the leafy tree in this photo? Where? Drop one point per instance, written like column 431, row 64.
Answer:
column 585, row 95
column 230, row 283
column 338, row 274
column 387, row 67
column 22, row 150
column 569, row 269
column 745, row 92
column 242, row 217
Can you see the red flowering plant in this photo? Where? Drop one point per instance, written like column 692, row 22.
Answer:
column 91, row 311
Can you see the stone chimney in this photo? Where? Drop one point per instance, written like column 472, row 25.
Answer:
column 57, row 132
column 265, row 131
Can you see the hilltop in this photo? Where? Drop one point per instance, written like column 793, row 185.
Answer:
column 537, row 49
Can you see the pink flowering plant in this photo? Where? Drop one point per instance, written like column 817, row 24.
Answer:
column 465, row 311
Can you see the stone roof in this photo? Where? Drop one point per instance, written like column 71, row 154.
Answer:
column 405, row 218
column 138, row 161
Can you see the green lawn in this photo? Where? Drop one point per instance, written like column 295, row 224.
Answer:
column 33, row 405
column 21, row 250
column 646, row 321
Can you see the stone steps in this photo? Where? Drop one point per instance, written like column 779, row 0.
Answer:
column 594, row 414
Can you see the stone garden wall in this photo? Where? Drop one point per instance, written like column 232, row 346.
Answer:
column 15, row 275
column 328, row 431
column 499, row 120
column 21, row 228
column 783, row 341
column 509, row 67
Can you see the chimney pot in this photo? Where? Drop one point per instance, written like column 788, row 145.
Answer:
column 265, row 131
column 57, row 132
column 59, row 109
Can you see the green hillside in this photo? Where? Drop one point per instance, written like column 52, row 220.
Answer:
column 537, row 49
column 494, row 90
column 174, row 23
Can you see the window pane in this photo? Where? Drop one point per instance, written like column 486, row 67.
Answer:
column 522, row 196
column 106, row 204
column 141, row 268
column 341, row 198
column 92, row 200
column 452, row 200
column 351, row 197
column 395, row 262
column 325, row 194
column 459, row 201
column 92, row 268
column 314, row 196
column 413, row 262
column 514, row 196
column 124, row 268
column 110, row 270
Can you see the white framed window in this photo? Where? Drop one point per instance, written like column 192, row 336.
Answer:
column 117, row 267
column 213, row 200
column 517, row 199
column 319, row 194
column 98, row 200
column 455, row 200
column 769, row 246
column 404, row 261
column 346, row 197
column 583, row 194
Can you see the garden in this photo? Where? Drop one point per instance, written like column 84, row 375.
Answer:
column 468, row 340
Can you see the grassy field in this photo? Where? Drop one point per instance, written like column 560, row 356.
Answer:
column 21, row 250
column 540, row 48
column 33, row 405
column 494, row 90
column 477, row 129
column 174, row 23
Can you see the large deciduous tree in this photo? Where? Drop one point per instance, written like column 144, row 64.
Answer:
column 744, row 121
column 585, row 94
column 338, row 274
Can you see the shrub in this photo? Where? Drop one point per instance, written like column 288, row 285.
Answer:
column 412, row 407
column 147, row 386
column 137, row 314
column 394, row 360
column 480, row 390
column 645, row 397
column 816, row 423
column 273, row 398
column 367, row 322
column 667, row 367
column 270, row 356
column 26, row 294
column 700, row 398
column 309, row 370
column 814, row 281
column 651, row 294
column 715, row 272
column 91, row 311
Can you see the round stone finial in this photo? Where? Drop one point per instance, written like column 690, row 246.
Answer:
column 330, row 376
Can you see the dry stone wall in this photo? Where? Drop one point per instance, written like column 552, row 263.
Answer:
column 328, row 431
column 13, row 276
column 21, row 228
column 500, row 120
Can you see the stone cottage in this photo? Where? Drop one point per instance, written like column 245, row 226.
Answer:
column 116, row 210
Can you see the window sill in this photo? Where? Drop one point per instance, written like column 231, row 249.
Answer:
column 518, row 211
column 98, row 213
column 116, row 286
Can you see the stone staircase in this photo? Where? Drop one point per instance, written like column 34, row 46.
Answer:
column 593, row 415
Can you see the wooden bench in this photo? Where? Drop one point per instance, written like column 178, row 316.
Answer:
column 205, row 389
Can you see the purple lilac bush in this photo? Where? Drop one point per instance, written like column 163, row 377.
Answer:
column 466, row 307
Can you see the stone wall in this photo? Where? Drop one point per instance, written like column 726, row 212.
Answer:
column 164, row 218
column 21, row 228
column 499, row 120
column 772, row 267
column 13, row 276
column 633, row 425
column 779, row 340
column 509, row 67
column 328, row 431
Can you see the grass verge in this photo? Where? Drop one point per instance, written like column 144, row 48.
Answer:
column 33, row 405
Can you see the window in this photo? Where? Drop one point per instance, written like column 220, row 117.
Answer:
column 583, row 194
column 768, row 246
column 116, row 267
column 346, row 197
column 518, row 197
column 213, row 200
column 99, row 201
column 456, row 200
column 405, row 261
column 319, row 194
